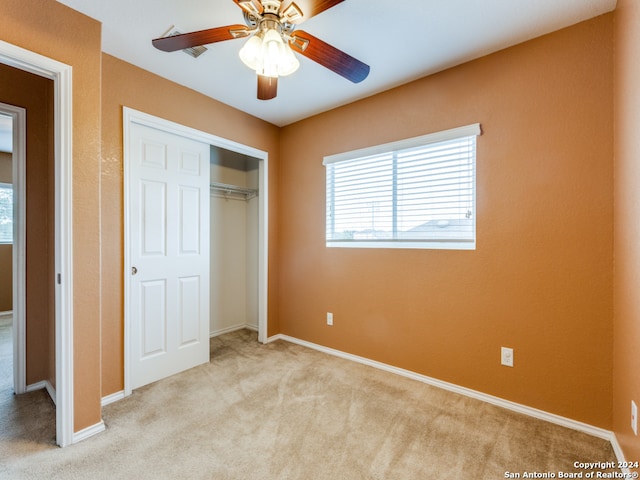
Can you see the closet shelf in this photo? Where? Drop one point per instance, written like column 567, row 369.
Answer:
column 228, row 190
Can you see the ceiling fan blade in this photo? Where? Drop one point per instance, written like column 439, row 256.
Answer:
column 201, row 37
column 330, row 57
column 267, row 87
column 310, row 8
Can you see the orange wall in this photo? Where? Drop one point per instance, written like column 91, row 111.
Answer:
column 626, row 358
column 34, row 93
column 540, row 280
column 51, row 29
column 127, row 85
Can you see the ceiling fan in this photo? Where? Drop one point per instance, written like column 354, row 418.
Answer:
column 271, row 24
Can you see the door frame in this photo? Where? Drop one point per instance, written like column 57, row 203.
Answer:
column 130, row 117
column 61, row 75
column 18, row 254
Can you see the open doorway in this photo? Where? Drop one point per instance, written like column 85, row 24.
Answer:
column 27, row 230
column 27, row 348
column 57, row 141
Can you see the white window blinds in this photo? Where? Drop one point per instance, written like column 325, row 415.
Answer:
column 416, row 193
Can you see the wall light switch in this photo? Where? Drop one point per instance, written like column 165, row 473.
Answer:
column 506, row 357
column 634, row 417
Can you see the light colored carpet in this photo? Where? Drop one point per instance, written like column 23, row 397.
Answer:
column 281, row 411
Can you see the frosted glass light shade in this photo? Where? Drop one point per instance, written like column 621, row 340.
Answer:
column 272, row 46
column 269, row 55
column 250, row 53
column 288, row 62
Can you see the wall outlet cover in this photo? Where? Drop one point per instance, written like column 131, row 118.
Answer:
column 506, row 356
column 329, row 318
column 634, row 417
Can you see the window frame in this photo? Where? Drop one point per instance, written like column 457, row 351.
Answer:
column 472, row 130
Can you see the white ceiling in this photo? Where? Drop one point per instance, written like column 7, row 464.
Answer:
column 401, row 40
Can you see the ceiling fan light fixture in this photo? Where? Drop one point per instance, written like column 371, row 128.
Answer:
column 250, row 53
column 288, row 62
column 272, row 53
column 272, row 41
column 269, row 55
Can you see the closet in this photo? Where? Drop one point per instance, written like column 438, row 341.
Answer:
column 234, row 241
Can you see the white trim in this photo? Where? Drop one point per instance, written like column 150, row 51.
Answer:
column 18, row 167
column 263, row 249
column 35, row 387
column 114, row 397
column 442, row 136
column 43, row 385
column 235, row 328
column 278, row 336
column 50, row 390
column 7, row 313
column 617, row 449
column 419, row 244
column 467, row 392
column 88, row 432
column 222, row 331
column 61, row 74
column 131, row 116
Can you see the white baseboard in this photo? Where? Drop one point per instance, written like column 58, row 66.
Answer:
column 50, row 390
column 500, row 402
column 114, row 397
column 88, row 432
column 617, row 449
column 35, row 386
column 46, row 385
column 235, row 328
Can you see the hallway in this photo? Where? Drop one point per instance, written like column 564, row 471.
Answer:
column 26, row 420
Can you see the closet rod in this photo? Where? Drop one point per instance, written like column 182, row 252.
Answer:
column 227, row 189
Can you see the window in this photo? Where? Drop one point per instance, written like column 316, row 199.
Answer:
column 6, row 213
column 415, row 193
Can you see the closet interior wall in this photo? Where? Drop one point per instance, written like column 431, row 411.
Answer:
column 234, row 243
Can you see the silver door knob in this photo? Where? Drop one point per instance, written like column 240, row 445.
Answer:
column 134, row 270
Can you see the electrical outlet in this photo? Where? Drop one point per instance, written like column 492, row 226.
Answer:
column 506, row 356
column 329, row 318
column 634, row 417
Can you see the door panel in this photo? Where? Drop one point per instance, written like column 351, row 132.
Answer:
column 189, row 305
column 153, row 214
column 153, row 317
column 168, row 182
column 190, row 221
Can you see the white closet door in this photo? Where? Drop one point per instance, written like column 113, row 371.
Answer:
column 168, row 181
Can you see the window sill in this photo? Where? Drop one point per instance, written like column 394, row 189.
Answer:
column 468, row 245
